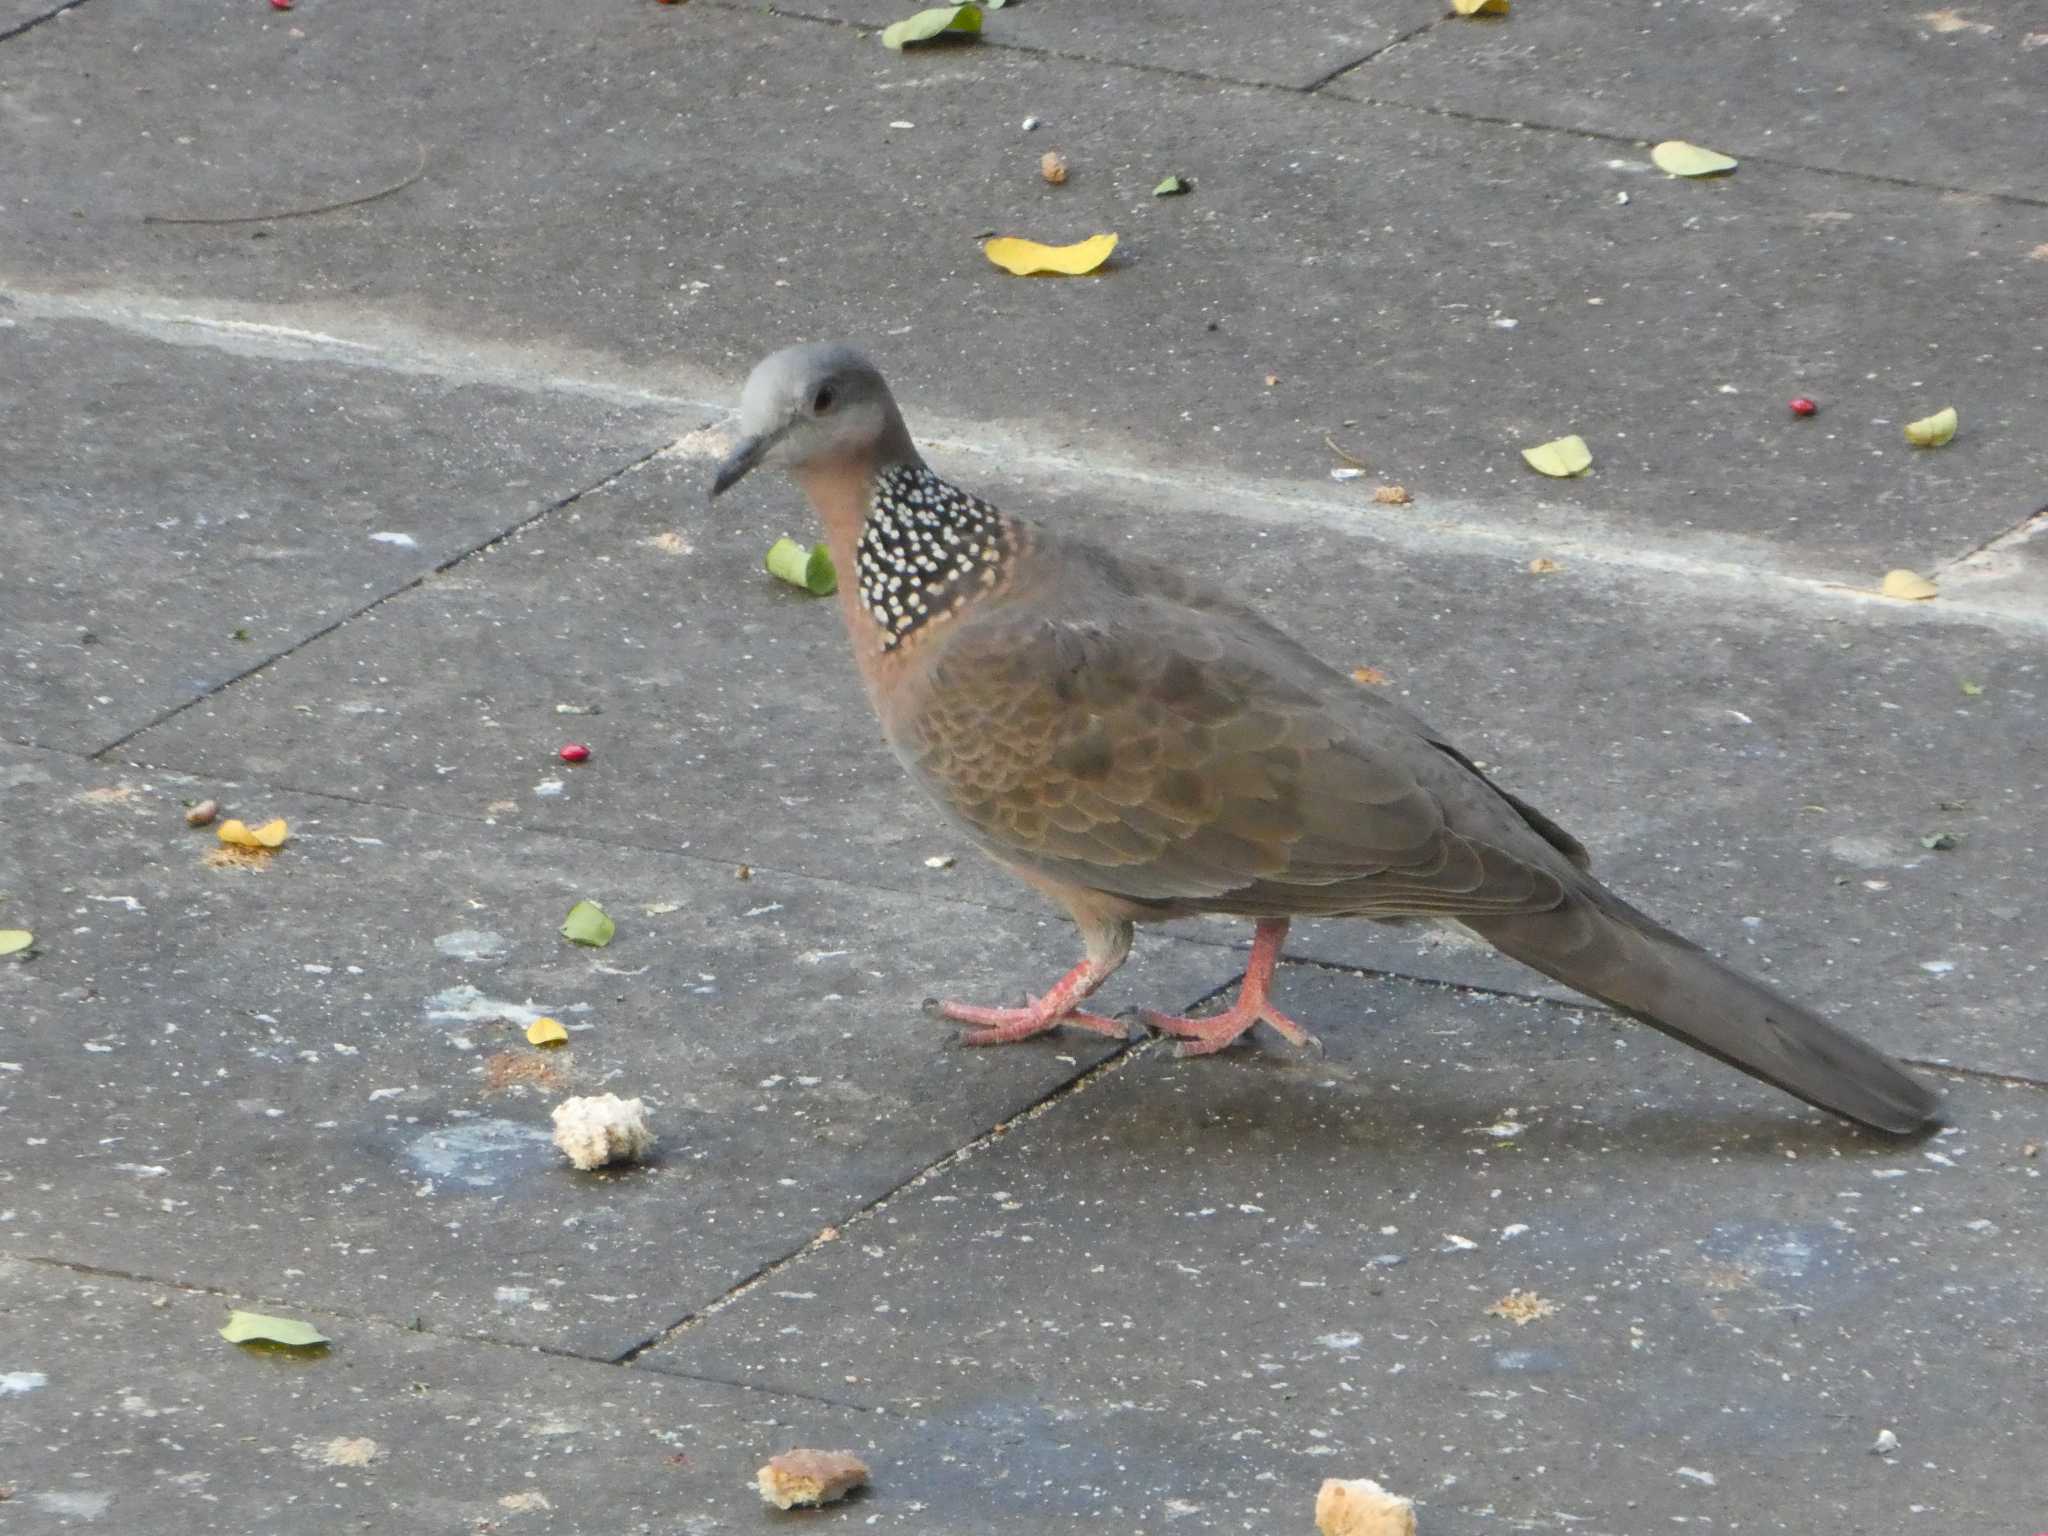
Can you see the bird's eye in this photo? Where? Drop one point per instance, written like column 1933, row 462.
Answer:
column 822, row 401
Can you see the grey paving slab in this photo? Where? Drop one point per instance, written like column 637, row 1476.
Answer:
column 1298, row 44
column 642, row 204
column 289, row 1081
column 1298, row 1262
column 1948, row 95
column 177, row 515
column 1759, row 774
column 124, row 1411
column 18, row 15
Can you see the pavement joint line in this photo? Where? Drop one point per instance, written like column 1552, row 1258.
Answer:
column 1314, row 90
column 1462, row 526
column 90, row 1270
column 374, row 603
column 2033, row 525
column 938, row 1168
column 1638, row 140
column 36, row 21
column 1387, row 47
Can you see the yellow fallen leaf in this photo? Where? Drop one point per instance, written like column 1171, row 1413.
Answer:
column 546, row 1032
column 1932, row 431
column 1542, row 567
column 270, row 835
column 1371, row 677
column 1675, row 157
column 1561, row 458
column 1480, row 7
column 1908, row 586
column 1025, row 257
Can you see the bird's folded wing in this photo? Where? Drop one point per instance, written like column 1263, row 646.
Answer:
column 1181, row 757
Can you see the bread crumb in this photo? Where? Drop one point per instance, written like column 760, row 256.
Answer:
column 810, row 1477
column 1520, row 1307
column 1392, row 496
column 1052, row 165
column 1361, row 1507
column 602, row 1129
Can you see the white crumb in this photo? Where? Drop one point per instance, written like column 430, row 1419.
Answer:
column 1361, row 1507
column 603, row 1129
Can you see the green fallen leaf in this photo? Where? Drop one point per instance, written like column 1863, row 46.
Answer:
column 926, row 25
column 1675, row 157
column 1173, row 186
column 1560, row 458
column 259, row 1328
column 1973, row 690
column 587, row 923
column 810, row 568
column 1932, row 431
column 240, row 634
column 1939, row 842
column 14, row 940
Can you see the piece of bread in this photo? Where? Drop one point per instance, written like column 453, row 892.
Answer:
column 605, row 1129
column 810, row 1477
column 1361, row 1507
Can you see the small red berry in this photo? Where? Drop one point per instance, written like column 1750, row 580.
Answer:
column 575, row 752
column 1803, row 406
column 280, row 5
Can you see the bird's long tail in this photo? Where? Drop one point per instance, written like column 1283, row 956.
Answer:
column 1600, row 945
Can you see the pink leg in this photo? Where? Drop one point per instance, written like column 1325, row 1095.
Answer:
column 1108, row 945
column 1200, row 1037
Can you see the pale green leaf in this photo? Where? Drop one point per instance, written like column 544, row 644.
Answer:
column 810, row 568
column 14, row 940
column 588, row 923
column 926, row 25
column 1560, row 458
column 1932, row 431
column 1173, row 186
column 1675, row 157
column 260, row 1328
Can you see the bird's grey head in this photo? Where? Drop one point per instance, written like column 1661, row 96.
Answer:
column 812, row 405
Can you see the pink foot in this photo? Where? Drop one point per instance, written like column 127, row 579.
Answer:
column 1001, row 1026
column 1203, row 1037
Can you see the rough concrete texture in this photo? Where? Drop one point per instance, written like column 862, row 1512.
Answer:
column 1065, row 1286
column 648, row 216
column 178, row 516
column 145, row 1422
column 1505, row 1258
column 1790, row 84
column 321, row 1060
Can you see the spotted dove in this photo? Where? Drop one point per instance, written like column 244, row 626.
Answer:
column 1138, row 747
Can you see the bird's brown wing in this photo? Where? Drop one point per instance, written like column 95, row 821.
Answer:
column 1179, row 757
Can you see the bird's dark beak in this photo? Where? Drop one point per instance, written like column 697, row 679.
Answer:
column 737, row 463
